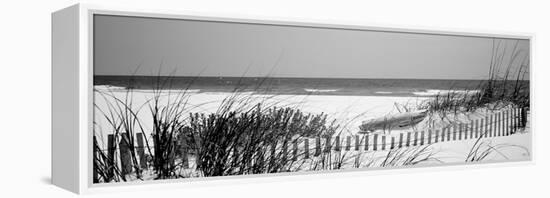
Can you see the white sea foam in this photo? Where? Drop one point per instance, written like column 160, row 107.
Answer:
column 320, row 90
column 240, row 93
column 124, row 89
column 108, row 87
column 383, row 92
column 435, row 92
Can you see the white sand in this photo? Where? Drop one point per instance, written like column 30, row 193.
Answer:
column 350, row 111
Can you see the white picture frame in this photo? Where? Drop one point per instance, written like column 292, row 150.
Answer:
column 72, row 88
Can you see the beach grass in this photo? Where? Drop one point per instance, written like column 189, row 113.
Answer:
column 233, row 140
column 507, row 84
column 240, row 142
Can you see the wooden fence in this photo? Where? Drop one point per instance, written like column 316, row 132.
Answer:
column 502, row 123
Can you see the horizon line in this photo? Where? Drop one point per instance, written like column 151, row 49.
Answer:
column 294, row 77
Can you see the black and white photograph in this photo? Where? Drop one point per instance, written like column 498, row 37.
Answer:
column 275, row 98
column 179, row 99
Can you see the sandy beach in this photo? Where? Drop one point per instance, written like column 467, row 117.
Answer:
column 350, row 111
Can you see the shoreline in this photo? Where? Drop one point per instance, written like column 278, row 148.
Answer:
column 349, row 110
column 306, row 91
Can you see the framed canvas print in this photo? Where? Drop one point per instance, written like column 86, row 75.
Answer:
column 144, row 97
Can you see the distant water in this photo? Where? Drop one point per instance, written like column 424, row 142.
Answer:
column 293, row 86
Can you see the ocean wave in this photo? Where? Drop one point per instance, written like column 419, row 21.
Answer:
column 320, row 90
column 239, row 93
column 108, row 87
column 383, row 92
column 186, row 91
column 124, row 89
column 435, row 92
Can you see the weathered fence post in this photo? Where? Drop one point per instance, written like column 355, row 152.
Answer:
column 507, row 122
column 348, row 143
column 476, row 129
column 443, row 131
column 408, row 139
column 357, row 142
column 306, row 148
column 500, row 124
column 520, row 114
column 400, row 140
column 125, row 155
column 491, row 126
column 328, row 145
column 486, row 126
column 460, row 129
column 421, row 138
column 514, row 119
column 317, row 146
column 503, row 122
column 337, row 143
column 366, row 142
column 141, row 152
column 524, row 116
column 111, row 157
column 392, row 145
column 448, row 133
column 510, row 120
column 295, row 150
column 285, row 150
column 415, row 138
column 520, row 117
column 375, row 142
column 95, row 174
column 466, row 130
column 496, row 125
column 482, row 127
column 472, row 128
column 454, row 132
column 514, row 123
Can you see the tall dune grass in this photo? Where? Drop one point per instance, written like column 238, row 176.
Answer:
column 233, row 140
column 507, row 84
column 240, row 142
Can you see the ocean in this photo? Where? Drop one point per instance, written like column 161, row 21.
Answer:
column 293, row 86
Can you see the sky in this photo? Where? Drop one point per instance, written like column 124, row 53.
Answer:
column 154, row 46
